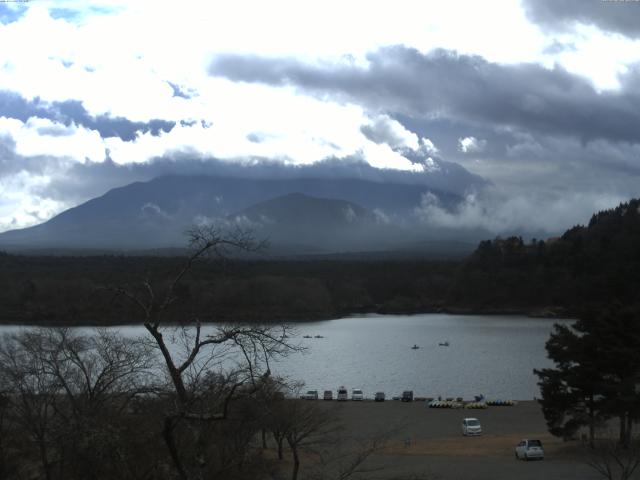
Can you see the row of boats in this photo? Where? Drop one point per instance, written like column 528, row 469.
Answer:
column 415, row 347
column 441, row 344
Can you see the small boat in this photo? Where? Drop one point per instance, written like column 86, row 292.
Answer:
column 444, row 344
column 415, row 347
column 307, row 336
column 319, row 336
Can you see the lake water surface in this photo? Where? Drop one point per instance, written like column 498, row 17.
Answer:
column 492, row 355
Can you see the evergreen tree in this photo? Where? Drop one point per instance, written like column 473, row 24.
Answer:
column 596, row 376
column 572, row 392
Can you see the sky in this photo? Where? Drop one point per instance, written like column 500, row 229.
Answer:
column 540, row 99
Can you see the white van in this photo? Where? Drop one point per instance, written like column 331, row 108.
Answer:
column 343, row 394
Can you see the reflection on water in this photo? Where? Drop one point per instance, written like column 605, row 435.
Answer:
column 492, row 355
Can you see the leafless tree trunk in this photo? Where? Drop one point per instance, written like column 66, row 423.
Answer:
column 304, row 425
column 255, row 345
column 296, row 459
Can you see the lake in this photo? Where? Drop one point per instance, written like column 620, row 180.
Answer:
column 492, row 355
column 487, row 354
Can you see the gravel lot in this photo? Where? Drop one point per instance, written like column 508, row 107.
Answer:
column 426, row 440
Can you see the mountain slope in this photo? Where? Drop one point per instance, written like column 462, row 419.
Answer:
column 301, row 210
column 156, row 213
column 320, row 224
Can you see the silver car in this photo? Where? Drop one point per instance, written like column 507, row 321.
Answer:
column 529, row 450
column 471, row 426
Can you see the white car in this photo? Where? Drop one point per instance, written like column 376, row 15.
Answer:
column 311, row 395
column 471, row 426
column 529, row 449
column 357, row 395
column 343, row 395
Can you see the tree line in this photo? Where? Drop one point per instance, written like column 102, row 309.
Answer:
column 590, row 265
column 595, row 382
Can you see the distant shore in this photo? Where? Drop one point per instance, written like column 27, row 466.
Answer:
column 538, row 313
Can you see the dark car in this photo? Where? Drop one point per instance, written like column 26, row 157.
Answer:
column 407, row 396
column 379, row 397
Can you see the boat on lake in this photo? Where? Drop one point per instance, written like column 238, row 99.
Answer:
column 415, row 347
column 444, row 344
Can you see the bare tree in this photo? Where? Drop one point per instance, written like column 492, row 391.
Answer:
column 8, row 456
column 612, row 460
column 305, row 425
column 32, row 392
column 196, row 399
column 66, row 392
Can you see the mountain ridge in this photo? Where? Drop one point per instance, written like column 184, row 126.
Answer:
column 156, row 213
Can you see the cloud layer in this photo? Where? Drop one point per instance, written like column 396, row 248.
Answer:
column 447, row 84
column 540, row 116
column 611, row 15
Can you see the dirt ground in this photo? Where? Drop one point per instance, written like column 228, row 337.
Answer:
column 429, row 441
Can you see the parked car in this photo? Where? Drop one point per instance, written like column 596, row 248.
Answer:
column 471, row 426
column 407, row 396
column 379, row 397
column 311, row 395
column 529, row 449
column 343, row 394
column 357, row 395
column 328, row 395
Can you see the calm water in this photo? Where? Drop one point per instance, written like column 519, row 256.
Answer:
column 492, row 355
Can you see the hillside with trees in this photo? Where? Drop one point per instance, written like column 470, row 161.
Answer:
column 587, row 267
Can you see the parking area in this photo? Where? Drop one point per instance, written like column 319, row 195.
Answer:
column 428, row 440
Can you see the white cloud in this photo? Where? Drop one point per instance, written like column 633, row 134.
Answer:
column 471, row 145
column 34, row 137
column 500, row 213
column 19, row 206
column 120, row 64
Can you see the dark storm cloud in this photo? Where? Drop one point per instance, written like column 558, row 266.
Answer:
column 612, row 16
column 15, row 106
column 402, row 80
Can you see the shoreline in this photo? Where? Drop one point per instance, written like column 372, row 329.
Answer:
column 536, row 314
